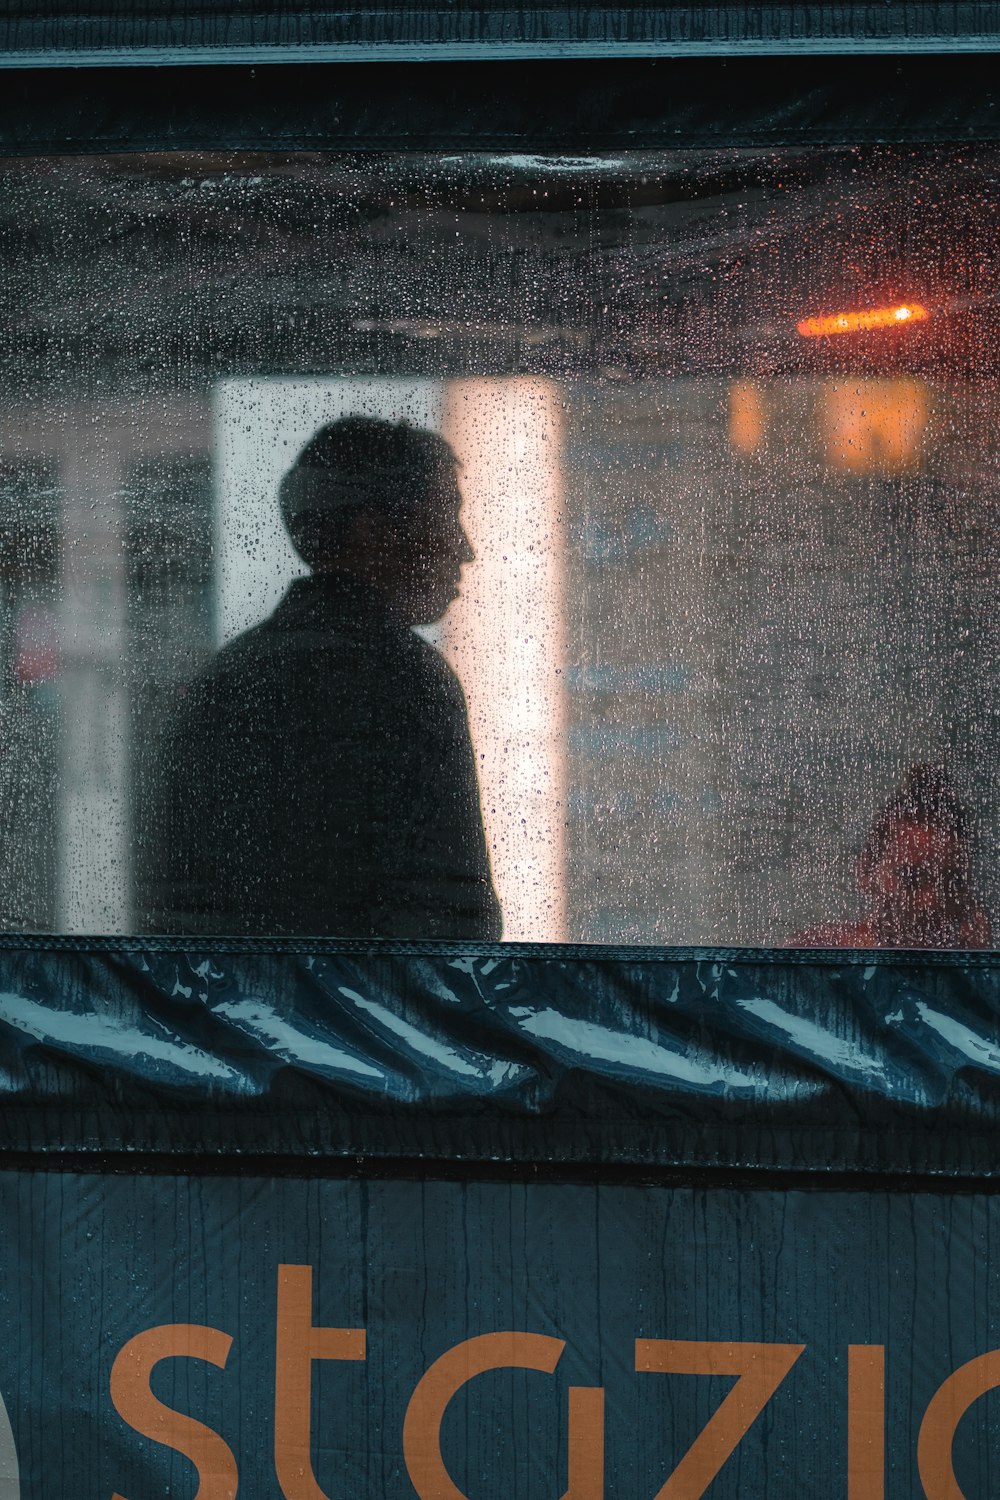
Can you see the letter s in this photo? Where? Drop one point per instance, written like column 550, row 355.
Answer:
column 10, row 1480
column 136, row 1404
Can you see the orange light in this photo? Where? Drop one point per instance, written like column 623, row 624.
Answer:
column 747, row 416
column 860, row 322
column 875, row 426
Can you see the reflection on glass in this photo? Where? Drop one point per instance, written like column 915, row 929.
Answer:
column 914, row 875
column 734, row 518
column 318, row 774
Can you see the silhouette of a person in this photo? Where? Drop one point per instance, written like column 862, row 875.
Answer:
column 319, row 777
column 914, row 874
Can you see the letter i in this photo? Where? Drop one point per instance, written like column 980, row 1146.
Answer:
column 866, row 1422
column 586, row 1443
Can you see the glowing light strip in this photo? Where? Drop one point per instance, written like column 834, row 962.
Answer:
column 505, row 636
column 860, row 322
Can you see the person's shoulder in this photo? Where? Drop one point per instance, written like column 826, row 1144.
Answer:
column 233, row 678
column 235, row 661
column 426, row 663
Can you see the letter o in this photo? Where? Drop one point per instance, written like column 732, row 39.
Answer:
column 947, row 1407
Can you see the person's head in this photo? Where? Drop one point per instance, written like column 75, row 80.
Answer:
column 914, row 870
column 380, row 500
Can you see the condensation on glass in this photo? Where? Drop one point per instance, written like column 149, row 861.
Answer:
column 727, row 432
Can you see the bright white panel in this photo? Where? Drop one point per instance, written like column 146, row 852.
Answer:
column 260, row 426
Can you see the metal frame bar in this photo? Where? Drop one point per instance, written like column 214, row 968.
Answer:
column 203, row 35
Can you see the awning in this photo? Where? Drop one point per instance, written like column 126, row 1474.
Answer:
column 568, row 1058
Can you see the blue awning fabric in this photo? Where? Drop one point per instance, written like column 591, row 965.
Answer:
column 689, row 1059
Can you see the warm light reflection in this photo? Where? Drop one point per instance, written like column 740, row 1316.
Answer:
column 875, row 426
column 505, row 635
column 747, row 416
column 861, row 322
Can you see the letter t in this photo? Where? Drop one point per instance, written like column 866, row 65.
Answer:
column 298, row 1343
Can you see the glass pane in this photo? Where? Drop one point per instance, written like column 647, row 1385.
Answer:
column 590, row 549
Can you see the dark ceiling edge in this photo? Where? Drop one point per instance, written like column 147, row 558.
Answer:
column 561, row 106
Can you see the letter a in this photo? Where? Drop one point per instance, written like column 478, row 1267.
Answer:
column 495, row 1351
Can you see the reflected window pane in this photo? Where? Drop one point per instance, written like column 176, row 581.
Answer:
column 596, row 549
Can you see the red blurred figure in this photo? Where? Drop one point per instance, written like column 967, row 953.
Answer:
column 914, row 874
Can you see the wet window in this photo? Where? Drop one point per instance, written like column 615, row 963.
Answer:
column 599, row 549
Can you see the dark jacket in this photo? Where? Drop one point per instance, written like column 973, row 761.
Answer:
column 319, row 780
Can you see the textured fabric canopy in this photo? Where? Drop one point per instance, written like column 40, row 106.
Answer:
column 686, row 1059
